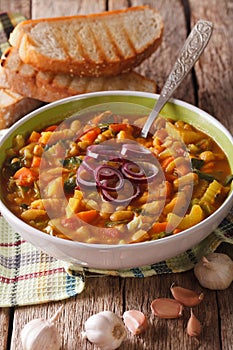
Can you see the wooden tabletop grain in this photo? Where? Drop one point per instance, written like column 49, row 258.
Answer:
column 209, row 87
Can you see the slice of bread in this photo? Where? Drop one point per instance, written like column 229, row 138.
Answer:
column 24, row 79
column 101, row 44
column 13, row 106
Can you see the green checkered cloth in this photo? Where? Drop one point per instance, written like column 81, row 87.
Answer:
column 29, row 276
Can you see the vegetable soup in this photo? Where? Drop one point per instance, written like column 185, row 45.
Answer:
column 104, row 183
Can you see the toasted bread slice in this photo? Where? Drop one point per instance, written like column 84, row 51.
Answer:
column 3, row 79
column 103, row 44
column 24, row 79
column 13, row 106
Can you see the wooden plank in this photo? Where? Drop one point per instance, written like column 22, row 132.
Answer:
column 226, row 319
column 214, row 69
column 110, row 293
column 158, row 66
column 53, row 8
column 22, row 6
column 103, row 293
column 225, row 307
column 171, row 334
column 4, row 322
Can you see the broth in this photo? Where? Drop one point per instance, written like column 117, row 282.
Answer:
column 105, row 184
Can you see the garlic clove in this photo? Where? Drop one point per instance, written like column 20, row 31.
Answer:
column 186, row 297
column 215, row 271
column 166, row 308
column 135, row 321
column 41, row 334
column 105, row 329
column 193, row 326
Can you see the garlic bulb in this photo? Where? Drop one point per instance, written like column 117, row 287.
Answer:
column 105, row 329
column 41, row 334
column 215, row 271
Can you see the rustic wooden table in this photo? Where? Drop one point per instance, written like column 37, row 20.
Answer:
column 209, row 87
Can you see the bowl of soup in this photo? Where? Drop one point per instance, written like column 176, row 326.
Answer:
column 80, row 183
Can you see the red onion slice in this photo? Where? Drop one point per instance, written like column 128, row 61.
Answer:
column 108, row 167
column 109, row 178
column 83, row 182
column 135, row 150
column 123, row 201
column 132, row 170
column 147, row 173
column 102, row 151
column 89, row 164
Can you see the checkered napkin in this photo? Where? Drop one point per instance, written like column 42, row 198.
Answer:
column 29, row 276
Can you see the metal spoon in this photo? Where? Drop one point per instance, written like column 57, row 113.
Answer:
column 191, row 51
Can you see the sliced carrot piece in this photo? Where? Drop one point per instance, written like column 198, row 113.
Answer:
column 176, row 231
column 34, row 137
column 158, row 227
column 168, row 187
column 51, row 128
column 35, row 162
column 88, row 215
column 170, row 177
column 166, row 161
column 90, row 135
column 25, row 176
column 117, row 127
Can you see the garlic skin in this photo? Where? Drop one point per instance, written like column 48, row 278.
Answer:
column 41, row 334
column 105, row 329
column 166, row 308
column 215, row 271
column 186, row 297
column 193, row 326
column 135, row 321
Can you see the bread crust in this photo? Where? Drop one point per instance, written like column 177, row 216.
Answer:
column 99, row 64
column 24, row 79
column 13, row 106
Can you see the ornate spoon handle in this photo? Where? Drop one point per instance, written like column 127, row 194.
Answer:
column 191, row 51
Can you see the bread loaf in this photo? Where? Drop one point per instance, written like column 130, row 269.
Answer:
column 103, row 44
column 24, row 79
column 13, row 106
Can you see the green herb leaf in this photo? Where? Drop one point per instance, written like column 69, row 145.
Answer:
column 70, row 184
column 197, row 163
column 228, row 180
column 71, row 162
column 24, row 206
column 115, row 223
column 204, row 176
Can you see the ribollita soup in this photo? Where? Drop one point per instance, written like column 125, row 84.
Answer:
column 104, row 183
